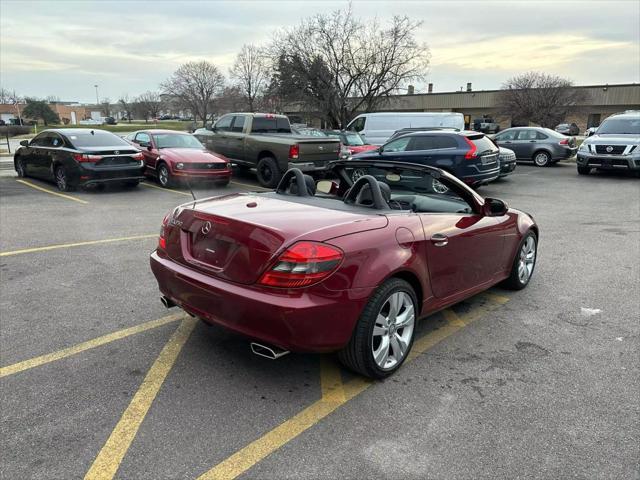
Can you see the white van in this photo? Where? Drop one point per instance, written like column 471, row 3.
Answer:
column 376, row 128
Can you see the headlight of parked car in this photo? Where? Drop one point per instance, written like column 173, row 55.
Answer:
column 583, row 147
column 180, row 166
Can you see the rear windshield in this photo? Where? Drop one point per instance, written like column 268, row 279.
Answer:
column 353, row 139
column 483, row 144
column 620, row 126
column 95, row 138
column 270, row 125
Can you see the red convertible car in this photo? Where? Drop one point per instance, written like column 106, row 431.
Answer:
column 171, row 156
column 351, row 269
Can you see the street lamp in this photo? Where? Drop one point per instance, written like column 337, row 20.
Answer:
column 97, row 98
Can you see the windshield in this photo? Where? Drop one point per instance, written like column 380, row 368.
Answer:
column 620, row 126
column 96, row 138
column 414, row 190
column 352, row 139
column 173, row 140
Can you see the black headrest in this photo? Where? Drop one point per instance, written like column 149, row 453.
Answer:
column 308, row 181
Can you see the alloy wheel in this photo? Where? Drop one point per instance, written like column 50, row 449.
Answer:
column 393, row 330
column 266, row 173
column 61, row 179
column 527, row 259
column 163, row 176
column 438, row 187
column 541, row 159
column 356, row 174
column 20, row 168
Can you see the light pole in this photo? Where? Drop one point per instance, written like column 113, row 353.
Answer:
column 97, row 98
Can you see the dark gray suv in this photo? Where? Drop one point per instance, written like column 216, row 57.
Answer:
column 542, row 146
column 614, row 146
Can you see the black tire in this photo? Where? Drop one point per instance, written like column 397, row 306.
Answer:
column 268, row 172
column 62, row 180
column 20, row 169
column 584, row 170
column 357, row 355
column 514, row 282
column 541, row 159
column 164, row 176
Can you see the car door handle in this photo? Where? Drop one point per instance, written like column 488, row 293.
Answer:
column 532, row 141
column 504, row 142
column 439, row 240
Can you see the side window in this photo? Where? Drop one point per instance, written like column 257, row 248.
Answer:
column 444, row 142
column 527, row 135
column 510, row 135
column 56, row 141
column 143, row 138
column 541, row 136
column 40, row 140
column 422, row 143
column 398, row 145
column 358, row 124
column 238, row 123
column 224, row 124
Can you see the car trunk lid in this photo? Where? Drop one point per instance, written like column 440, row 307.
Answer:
column 237, row 236
column 318, row 149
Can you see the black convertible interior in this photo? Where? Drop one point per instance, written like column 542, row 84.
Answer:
column 371, row 194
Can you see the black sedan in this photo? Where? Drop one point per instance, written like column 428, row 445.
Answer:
column 74, row 157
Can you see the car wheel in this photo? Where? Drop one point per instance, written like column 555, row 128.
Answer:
column 383, row 336
column 20, row 168
column 164, row 176
column 438, row 187
column 357, row 173
column 584, row 170
column 268, row 172
column 524, row 263
column 541, row 159
column 62, row 180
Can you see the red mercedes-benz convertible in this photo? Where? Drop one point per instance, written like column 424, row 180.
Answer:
column 341, row 265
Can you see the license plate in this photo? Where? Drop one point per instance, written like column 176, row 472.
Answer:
column 489, row 159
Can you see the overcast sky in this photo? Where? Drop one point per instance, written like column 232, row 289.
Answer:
column 64, row 48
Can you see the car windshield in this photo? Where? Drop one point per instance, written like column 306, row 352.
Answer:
column 352, row 139
column 96, row 138
column 413, row 189
column 173, row 140
column 620, row 126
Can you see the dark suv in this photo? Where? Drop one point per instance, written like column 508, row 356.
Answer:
column 75, row 157
column 470, row 156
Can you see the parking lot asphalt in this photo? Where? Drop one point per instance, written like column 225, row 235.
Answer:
column 98, row 380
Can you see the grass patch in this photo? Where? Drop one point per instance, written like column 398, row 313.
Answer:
column 125, row 126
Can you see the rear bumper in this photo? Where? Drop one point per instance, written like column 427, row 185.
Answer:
column 480, row 177
column 310, row 166
column 305, row 320
column 507, row 168
column 95, row 175
column 564, row 153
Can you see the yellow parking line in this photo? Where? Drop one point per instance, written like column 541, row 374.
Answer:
column 75, row 244
column 334, row 395
column 252, row 187
column 51, row 192
column 108, row 460
column 81, row 347
column 165, row 189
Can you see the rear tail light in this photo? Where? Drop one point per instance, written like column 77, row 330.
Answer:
column 473, row 150
column 162, row 240
column 564, row 141
column 303, row 264
column 138, row 156
column 294, row 151
column 85, row 158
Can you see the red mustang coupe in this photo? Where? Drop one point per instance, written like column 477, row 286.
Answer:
column 351, row 269
column 171, row 156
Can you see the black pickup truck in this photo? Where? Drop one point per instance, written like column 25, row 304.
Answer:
column 265, row 142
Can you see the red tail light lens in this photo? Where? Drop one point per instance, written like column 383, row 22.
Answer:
column 564, row 141
column 84, row 158
column 162, row 241
column 303, row 264
column 473, row 150
column 294, row 151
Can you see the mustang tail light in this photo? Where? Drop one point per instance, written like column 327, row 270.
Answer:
column 85, row 158
column 473, row 150
column 303, row 264
column 294, row 151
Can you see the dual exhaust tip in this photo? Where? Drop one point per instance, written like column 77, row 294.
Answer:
column 267, row 351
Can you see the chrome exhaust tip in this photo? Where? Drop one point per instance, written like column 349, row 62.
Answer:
column 268, row 351
column 167, row 302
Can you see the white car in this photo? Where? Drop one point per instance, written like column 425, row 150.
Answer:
column 91, row 121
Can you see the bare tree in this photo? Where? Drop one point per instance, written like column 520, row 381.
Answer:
column 539, row 98
column 126, row 106
column 251, row 72
column 339, row 65
column 149, row 104
column 195, row 84
column 231, row 100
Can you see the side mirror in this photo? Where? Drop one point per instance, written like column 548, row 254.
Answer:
column 149, row 147
column 24, row 143
column 494, row 207
column 327, row 186
column 144, row 144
